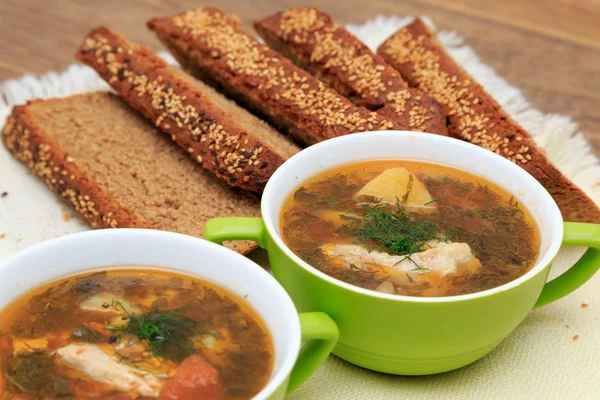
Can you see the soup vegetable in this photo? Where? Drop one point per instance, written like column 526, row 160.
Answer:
column 410, row 228
column 132, row 334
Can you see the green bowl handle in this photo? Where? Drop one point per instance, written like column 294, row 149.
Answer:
column 321, row 334
column 218, row 230
column 576, row 234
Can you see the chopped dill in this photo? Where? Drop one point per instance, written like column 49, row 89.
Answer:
column 168, row 333
column 30, row 372
column 417, row 266
column 393, row 229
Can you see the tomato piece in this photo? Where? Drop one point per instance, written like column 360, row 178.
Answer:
column 194, row 379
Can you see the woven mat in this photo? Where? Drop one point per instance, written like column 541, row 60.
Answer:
column 553, row 354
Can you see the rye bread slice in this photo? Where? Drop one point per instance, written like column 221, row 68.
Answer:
column 212, row 46
column 225, row 138
column 313, row 41
column 475, row 116
column 116, row 170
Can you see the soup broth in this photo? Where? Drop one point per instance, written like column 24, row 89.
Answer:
column 410, row 228
column 132, row 333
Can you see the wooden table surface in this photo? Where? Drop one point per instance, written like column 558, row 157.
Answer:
column 548, row 48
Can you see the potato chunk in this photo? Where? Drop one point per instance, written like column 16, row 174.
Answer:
column 334, row 217
column 398, row 184
column 107, row 302
column 34, row 344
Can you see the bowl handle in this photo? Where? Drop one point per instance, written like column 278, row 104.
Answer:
column 576, row 234
column 321, row 334
column 218, row 230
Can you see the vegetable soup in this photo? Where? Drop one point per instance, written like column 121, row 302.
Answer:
column 410, row 228
column 132, row 334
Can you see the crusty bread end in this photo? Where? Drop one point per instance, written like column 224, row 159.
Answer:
column 475, row 116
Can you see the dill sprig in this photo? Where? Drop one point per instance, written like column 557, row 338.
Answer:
column 393, row 229
column 168, row 333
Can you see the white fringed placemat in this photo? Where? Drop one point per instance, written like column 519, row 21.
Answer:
column 540, row 360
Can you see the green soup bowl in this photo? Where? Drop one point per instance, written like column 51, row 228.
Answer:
column 415, row 335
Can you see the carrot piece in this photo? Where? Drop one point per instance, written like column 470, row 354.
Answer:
column 194, row 379
column 98, row 327
column 6, row 343
column 136, row 349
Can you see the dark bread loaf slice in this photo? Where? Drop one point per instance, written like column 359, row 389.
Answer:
column 313, row 41
column 475, row 116
column 210, row 44
column 116, row 170
column 226, row 139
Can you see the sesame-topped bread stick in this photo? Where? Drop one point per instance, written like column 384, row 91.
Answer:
column 313, row 41
column 211, row 45
column 476, row 117
column 116, row 170
column 226, row 139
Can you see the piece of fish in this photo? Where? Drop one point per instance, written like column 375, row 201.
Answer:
column 91, row 360
column 441, row 258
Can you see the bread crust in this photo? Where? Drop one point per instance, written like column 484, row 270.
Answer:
column 475, row 116
column 182, row 110
column 313, row 41
column 211, row 45
column 29, row 142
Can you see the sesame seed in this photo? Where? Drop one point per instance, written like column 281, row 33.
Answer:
column 456, row 93
column 253, row 62
column 330, row 46
column 173, row 107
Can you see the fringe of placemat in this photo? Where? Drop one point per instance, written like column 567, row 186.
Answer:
column 560, row 137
